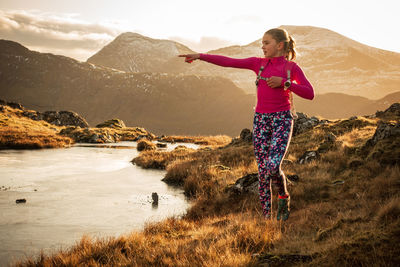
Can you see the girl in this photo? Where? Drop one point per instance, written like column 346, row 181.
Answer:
column 273, row 120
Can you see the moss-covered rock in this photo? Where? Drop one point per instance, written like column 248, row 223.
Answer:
column 114, row 123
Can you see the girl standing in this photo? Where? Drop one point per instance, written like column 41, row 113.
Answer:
column 273, row 120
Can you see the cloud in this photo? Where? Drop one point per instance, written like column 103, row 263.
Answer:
column 204, row 44
column 54, row 33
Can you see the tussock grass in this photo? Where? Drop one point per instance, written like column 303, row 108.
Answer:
column 19, row 132
column 339, row 215
column 217, row 140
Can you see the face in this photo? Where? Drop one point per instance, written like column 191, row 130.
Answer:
column 270, row 47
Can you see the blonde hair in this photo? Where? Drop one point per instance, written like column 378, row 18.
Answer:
column 289, row 44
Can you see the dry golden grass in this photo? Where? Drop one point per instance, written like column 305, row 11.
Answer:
column 218, row 140
column 19, row 132
column 340, row 216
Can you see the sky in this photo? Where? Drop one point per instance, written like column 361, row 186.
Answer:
column 79, row 29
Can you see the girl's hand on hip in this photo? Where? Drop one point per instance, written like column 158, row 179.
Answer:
column 190, row 57
column 274, row 81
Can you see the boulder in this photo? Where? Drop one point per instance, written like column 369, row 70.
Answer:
column 394, row 109
column 246, row 184
column 114, row 123
column 154, row 197
column 245, row 137
column 384, row 146
column 309, row 156
column 304, row 123
column 384, row 131
column 64, row 118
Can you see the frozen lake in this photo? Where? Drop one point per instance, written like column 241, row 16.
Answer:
column 86, row 189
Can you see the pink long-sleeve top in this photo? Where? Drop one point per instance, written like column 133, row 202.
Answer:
column 269, row 99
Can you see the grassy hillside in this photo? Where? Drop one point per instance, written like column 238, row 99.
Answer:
column 345, row 206
column 18, row 131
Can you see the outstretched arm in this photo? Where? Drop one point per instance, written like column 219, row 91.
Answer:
column 243, row 63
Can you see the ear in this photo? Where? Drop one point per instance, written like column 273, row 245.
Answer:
column 281, row 45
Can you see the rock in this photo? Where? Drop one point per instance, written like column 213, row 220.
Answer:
column 114, row 123
column 383, row 131
column 246, row 135
column 308, row 156
column 64, row 118
column 15, row 105
column 161, row 145
column 154, row 196
column 246, row 184
column 21, row 200
column 145, row 145
column 384, row 146
column 94, row 138
column 303, row 123
column 394, row 109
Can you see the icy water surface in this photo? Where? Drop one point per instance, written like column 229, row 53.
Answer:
column 82, row 190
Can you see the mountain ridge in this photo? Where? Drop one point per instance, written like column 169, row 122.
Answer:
column 332, row 62
column 163, row 103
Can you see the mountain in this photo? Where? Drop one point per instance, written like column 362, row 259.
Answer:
column 160, row 102
column 132, row 52
column 332, row 62
column 338, row 105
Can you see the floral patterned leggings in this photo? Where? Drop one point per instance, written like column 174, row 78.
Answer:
column 271, row 137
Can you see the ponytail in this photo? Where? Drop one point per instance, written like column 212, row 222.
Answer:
column 291, row 49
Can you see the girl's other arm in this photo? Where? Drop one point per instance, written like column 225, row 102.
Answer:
column 302, row 87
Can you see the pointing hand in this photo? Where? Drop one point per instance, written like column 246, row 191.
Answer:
column 190, row 57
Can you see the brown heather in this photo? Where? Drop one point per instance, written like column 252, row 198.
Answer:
column 19, row 132
column 342, row 214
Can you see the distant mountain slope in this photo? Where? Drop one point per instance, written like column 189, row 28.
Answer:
column 161, row 103
column 333, row 62
column 338, row 105
column 132, row 52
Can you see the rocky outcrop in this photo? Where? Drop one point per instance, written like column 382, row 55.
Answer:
column 303, row 123
column 246, row 184
column 90, row 135
column 106, row 135
column 393, row 110
column 245, row 137
column 384, row 145
column 383, row 131
column 58, row 118
column 114, row 123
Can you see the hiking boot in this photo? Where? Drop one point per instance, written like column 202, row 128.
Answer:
column 283, row 209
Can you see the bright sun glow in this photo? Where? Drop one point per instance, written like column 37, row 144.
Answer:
column 79, row 29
